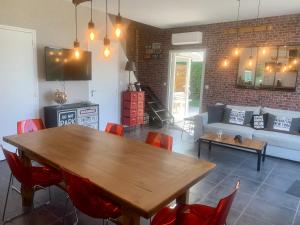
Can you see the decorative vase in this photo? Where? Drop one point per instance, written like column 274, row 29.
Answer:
column 60, row 97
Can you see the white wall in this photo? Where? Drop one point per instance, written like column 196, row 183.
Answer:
column 54, row 23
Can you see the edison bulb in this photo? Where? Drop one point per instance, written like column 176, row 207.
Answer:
column 236, row 51
column 118, row 32
column 77, row 53
column 226, row 62
column 106, row 52
column 264, row 51
column 92, row 35
column 295, row 61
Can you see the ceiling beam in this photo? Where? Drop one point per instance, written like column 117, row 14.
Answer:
column 77, row 2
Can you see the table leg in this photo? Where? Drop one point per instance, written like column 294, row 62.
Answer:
column 27, row 193
column 209, row 146
column 258, row 160
column 264, row 153
column 199, row 148
column 129, row 217
column 184, row 198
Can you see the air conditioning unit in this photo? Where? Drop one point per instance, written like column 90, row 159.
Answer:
column 188, row 38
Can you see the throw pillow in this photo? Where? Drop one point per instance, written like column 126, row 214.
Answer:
column 227, row 112
column 279, row 123
column 248, row 118
column 237, row 117
column 215, row 113
column 259, row 122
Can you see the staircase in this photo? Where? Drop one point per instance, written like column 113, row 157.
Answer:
column 156, row 110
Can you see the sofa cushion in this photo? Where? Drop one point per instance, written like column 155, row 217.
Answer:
column 259, row 122
column 255, row 110
column 231, row 129
column 283, row 140
column 281, row 113
column 215, row 113
column 239, row 117
column 283, row 124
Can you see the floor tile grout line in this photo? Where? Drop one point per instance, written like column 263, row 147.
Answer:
column 229, row 174
column 253, row 196
column 296, row 213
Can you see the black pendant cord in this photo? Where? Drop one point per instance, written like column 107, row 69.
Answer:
column 106, row 21
column 119, row 7
column 76, row 21
column 257, row 18
column 237, row 22
column 91, row 10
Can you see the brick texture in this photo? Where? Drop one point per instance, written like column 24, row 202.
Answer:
column 221, row 81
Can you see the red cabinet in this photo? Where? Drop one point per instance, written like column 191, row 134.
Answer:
column 133, row 108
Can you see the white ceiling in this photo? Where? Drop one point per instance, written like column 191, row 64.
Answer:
column 174, row 13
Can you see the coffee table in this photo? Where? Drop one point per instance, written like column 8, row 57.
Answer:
column 259, row 147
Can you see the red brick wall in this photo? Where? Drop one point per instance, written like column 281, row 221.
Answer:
column 221, row 81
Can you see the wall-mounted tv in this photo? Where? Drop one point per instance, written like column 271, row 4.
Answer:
column 61, row 64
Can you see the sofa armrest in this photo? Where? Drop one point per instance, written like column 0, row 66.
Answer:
column 200, row 121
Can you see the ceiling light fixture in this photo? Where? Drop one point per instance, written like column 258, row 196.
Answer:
column 237, row 50
column 106, row 39
column 76, row 42
column 118, row 26
column 91, row 25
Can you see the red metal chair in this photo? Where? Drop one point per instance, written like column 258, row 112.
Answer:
column 31, row 177
column 160, row 140
column 196, row 214
column 116, row 129
column 88, row 198
column 30, row 125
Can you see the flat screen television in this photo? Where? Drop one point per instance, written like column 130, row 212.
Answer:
column 61, row 64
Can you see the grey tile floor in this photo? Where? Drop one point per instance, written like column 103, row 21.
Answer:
column 262, row 199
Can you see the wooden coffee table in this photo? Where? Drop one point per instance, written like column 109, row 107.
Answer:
column 259, row 147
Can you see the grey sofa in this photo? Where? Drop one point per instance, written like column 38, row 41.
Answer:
column 280, row 145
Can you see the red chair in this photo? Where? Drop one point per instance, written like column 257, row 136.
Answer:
column 196, row 214
column 160, row 140
column 88, row 198
column 31, row 177
column 30, row 125
column 116, row 129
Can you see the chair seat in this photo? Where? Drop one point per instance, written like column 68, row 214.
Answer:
column 186, row 214
column 45, row 176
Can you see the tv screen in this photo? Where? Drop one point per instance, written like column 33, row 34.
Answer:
column 61, row 64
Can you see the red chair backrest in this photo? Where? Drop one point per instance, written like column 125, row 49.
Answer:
column 31, row 125
column 20, row 172
column 223, row 208
column 87, row 197
column 116, row 129
column 160, row 140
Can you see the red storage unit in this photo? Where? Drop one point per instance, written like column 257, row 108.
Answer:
column 133, row 104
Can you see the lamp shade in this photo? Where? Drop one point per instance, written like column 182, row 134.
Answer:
column 130, row 66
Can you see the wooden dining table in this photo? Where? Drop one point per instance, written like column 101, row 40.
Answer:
column 138, row 177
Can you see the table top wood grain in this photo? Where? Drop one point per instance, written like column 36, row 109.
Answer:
column 129, row 172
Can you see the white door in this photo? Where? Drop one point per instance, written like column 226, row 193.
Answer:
column 104, row 86
column 18, row 79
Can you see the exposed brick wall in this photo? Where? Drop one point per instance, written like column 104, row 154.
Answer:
column 221, row 81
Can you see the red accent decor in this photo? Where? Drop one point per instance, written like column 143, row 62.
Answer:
column 87, row 198
column 31, row 176
column 31, row 125
column 116, row 129
column 160, row 140
column 133, row 108
column 196, row 214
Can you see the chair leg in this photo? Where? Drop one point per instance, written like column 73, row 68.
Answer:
column 6, row 198
column 49, row 190
column 76, row 215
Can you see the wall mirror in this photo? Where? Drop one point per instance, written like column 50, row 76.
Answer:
column 274, row 68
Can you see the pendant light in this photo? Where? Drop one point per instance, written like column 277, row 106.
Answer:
column 237, row 49
column 106, row 52
column 118, row 26
column 91, row 25
column 250, row 60
column 76, row 42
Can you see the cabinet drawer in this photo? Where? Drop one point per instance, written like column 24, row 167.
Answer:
column 140, row 120
column 140, row 105
column 129, row 121
column 130, row 113
column 130, row 96
column 140, row 112
column 130, row 105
